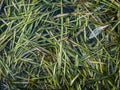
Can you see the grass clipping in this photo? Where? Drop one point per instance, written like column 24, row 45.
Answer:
column 50, row 44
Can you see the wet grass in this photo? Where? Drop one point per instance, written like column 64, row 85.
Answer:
column 45, row 44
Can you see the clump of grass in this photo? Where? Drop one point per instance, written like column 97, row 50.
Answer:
column 45, row 44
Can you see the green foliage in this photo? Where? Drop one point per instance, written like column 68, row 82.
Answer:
column 45, row 44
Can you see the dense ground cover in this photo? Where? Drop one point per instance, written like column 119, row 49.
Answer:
column 45, row 44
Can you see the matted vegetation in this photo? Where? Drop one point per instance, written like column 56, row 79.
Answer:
column 47, row 44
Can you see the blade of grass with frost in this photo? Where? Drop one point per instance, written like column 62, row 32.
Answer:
column 97, row 31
